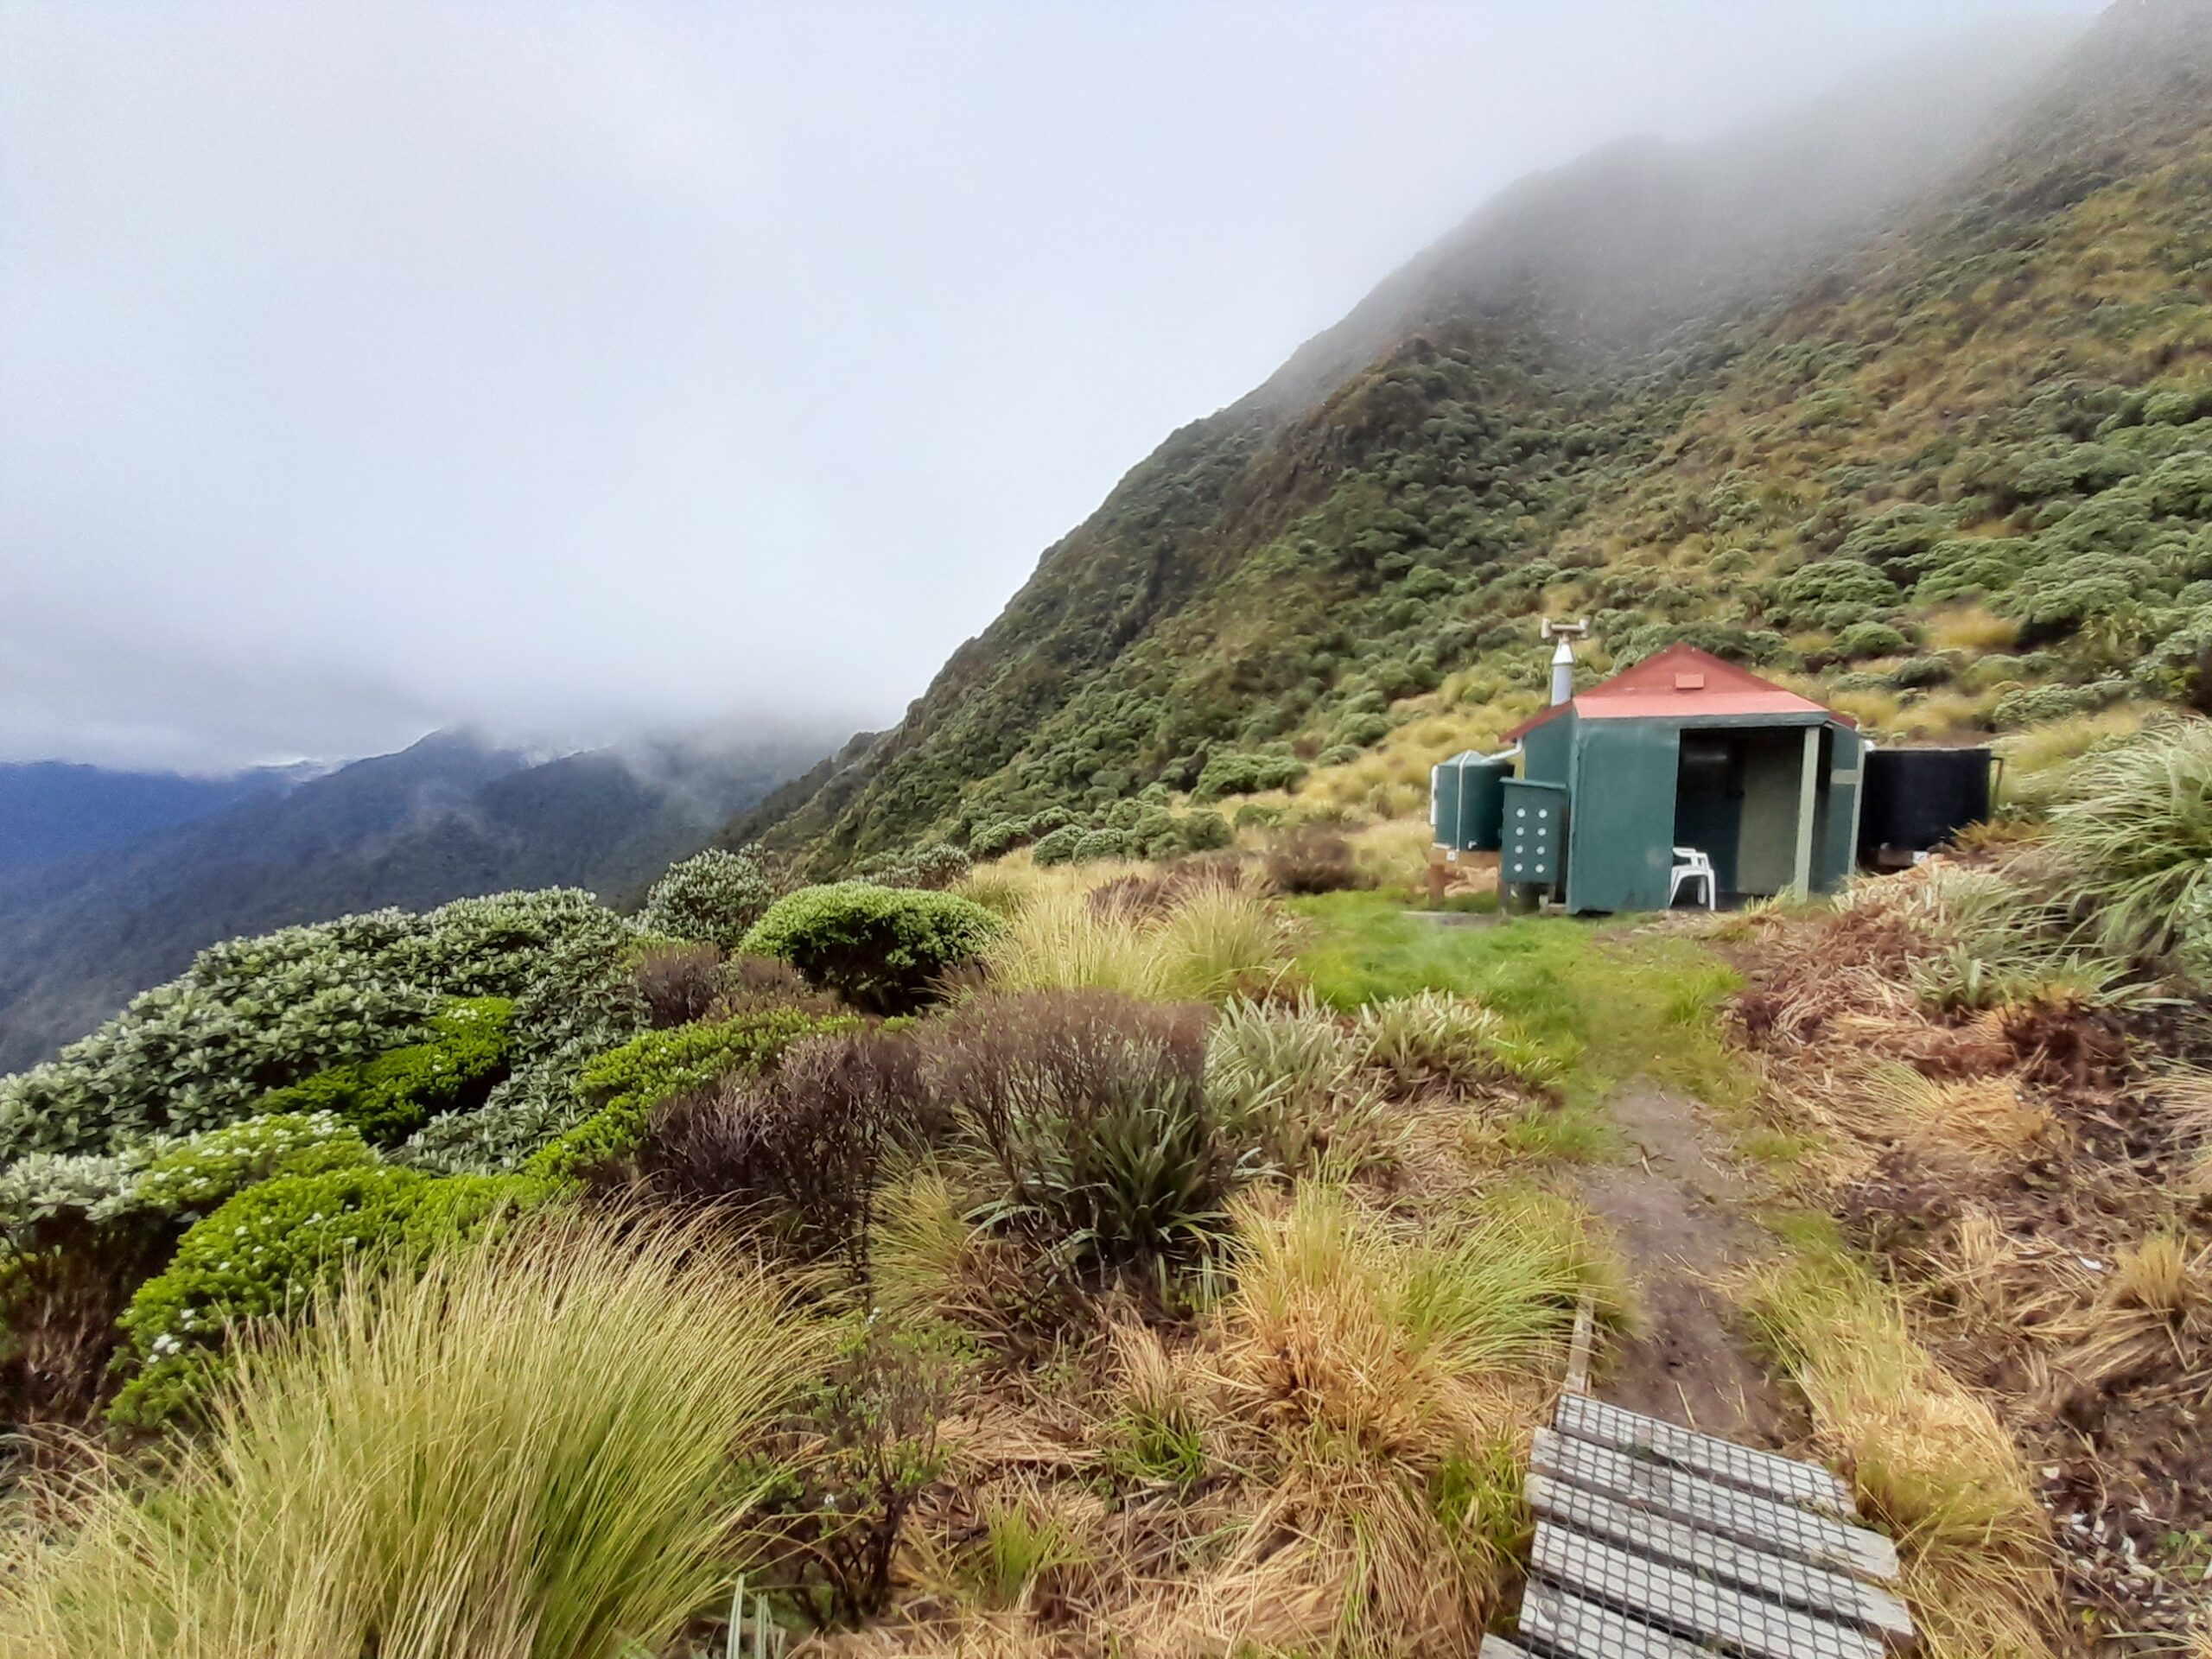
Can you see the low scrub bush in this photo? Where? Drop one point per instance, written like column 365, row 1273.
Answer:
column 262, row 1013
column 800, row 1150
column 250, row 1015
column 710, row 898
column 1232, row 773
column 1058, row 846
column 524, row 1450
column 81, row 1233
column 1091, row 1112
column 679, row 982
column 864, row 1451
column 390, row 1097
column 756, row 984
column 882, row 949
column 1312, row 860
column 625, row 1083
column 271, row 1250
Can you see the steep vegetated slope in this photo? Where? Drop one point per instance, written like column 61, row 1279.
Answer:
column 1907, row 399
column 448, row 819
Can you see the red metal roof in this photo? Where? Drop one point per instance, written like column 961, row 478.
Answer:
column 1680, row 681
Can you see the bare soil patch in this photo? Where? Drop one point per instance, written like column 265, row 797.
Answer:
column 1677, row 1211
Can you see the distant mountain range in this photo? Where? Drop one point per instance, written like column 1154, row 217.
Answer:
column 113, row 880
column 52, row 811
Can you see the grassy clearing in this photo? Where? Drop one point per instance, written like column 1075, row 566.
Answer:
column 526, row 1451
column 1601, row 1004
column 1928, row 1459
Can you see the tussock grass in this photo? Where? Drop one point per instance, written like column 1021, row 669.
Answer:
column 922, row 1254
column 1292, row 1080
column 2036, row 761
column 1971, row 627
column 2162, row 1276
column 1394, row 854
column 1385, row 1379
column 1216, row 942
column 526, row 1450
column 1927, row 1457
column 2134, row 829
column 1432, row 1038
column 1984, row 1118
column 999, row 889
column 1025, row 1536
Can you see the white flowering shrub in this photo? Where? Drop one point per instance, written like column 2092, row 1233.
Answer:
column 166, row 1180
column 51, row 1186
column 712, row 897
column 251, row 1015
column 583, row 1001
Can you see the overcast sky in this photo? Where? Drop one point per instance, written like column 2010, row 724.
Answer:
column 569, row 370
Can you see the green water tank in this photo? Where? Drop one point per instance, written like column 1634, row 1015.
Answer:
column 1467, row 800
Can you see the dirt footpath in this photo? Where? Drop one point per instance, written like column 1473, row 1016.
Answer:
column 1677, row 1207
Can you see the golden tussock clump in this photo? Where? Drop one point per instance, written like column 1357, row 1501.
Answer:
column 1926, row 1456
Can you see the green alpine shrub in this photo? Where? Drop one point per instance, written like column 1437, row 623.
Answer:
column 390, row 1097
column 1233, row 773
column 882, row 949
column 1104, row 843
column 625, row 1083
column 935, row 866
column 188, row 1178
column 1058, row 846
column 269, row 1251
column 711, row 897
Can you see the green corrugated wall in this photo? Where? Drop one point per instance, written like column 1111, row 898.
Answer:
column 1620, row 840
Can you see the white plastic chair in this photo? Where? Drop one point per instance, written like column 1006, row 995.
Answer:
column 1691, row 865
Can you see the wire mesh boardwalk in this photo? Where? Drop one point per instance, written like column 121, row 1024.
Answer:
column 1654, row 1541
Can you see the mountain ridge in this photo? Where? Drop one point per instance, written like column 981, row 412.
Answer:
column 1285, row 577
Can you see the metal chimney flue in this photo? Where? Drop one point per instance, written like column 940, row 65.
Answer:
column 1563, row 656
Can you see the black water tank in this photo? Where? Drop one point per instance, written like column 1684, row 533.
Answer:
column 1916, row 799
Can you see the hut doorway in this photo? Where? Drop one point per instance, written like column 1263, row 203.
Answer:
column 1742, row 797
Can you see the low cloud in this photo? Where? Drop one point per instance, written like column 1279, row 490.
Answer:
column 575, row 371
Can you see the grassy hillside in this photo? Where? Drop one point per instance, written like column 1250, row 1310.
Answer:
column 1941, row 453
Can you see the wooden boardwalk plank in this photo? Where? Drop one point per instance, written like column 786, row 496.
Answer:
column 1683, row 1602
column 1814, row 1589
column 1784, row 1479
column 1575, row 1628
column 1780, row 1528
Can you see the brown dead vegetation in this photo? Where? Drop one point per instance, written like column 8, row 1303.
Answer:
column 2037, row 1192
